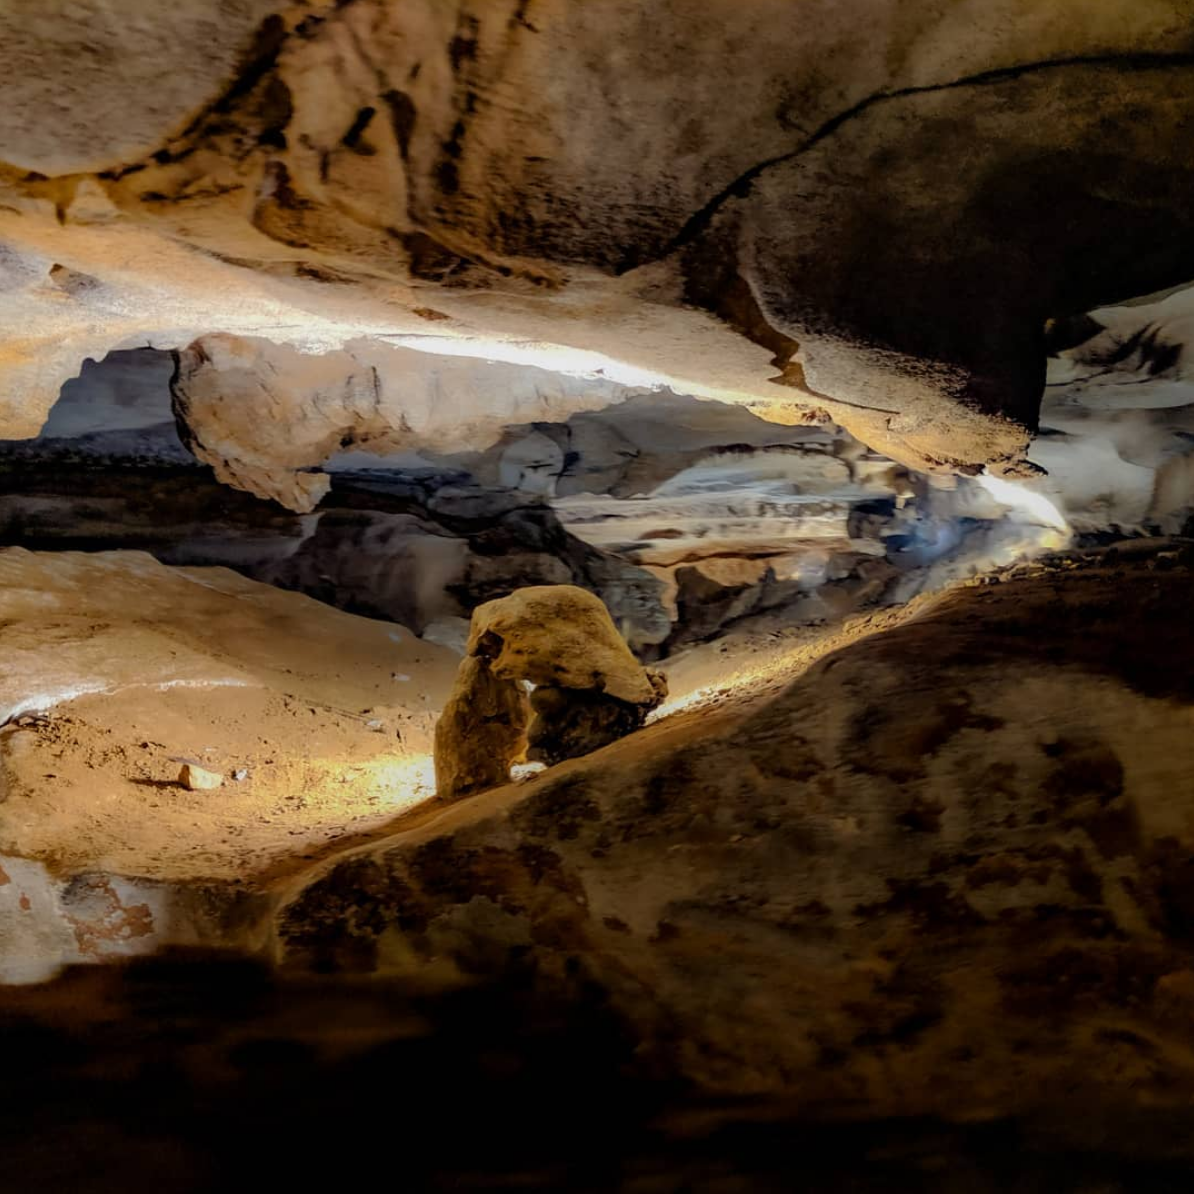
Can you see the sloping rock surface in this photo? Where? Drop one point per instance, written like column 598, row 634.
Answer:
column 974, row 815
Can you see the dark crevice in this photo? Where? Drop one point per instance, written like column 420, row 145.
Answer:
column 352, row 137
column 402, row 118
column 258, row 60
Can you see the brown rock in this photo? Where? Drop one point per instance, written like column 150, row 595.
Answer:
column 561, row 636
column 571, row 722
column 481, row 733
column 590, row 688
column 944, row 872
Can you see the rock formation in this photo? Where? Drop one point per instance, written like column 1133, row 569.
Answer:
column 975, row 811
column 481, row 733
column 589, row 690
column 230, row 393
column 439, row 175
column 570, row 722
column 689, row 519
column 778, row 417
column 116, row 670
column 558, row 636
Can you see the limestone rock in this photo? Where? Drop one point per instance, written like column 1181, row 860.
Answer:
column 388, row 520
column 116, row 668
column 112, row 77
column 755, row 252
column 571, row 722
column 481, row 733
column 368, row 396
column 198, row 779
column 589, row 689
column 1118, row 418
column 561, row 636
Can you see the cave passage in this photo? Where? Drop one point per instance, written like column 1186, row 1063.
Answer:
column 597, row 596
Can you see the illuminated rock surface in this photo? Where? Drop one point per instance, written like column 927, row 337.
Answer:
column 481, row 733
column 588, row 689
column 441, row 176
column 117, row 670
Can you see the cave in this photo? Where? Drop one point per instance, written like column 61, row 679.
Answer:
column 597, row 596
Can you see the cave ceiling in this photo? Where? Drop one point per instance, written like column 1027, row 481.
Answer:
column 861, row 213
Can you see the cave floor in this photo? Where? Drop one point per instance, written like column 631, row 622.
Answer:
column 92, row 782
column 191, row 1071
column 194, row 1073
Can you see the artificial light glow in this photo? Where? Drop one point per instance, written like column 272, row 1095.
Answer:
column 400, row 783
column 1019, row 497
column 557, row 358
column 690, row 700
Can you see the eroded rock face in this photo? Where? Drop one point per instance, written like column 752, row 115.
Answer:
column 834, row 896
column 481, row 733
column 571, row 722
column 559, row 636
column 516, row 184
column 93, row 84
column 412, row 539
column 685, row 517
column 231, row 395
column 1117, row 422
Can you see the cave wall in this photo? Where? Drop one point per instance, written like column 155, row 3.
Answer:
column 881, row 221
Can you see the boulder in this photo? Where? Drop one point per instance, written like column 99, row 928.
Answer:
column 571, row 722
column 561, row 636
column 588, row 688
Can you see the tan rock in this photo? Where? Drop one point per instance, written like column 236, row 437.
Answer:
column 118, row 670
column 590, row 690
column 240, row 197
column 111, row 77
column 561, row 636
column 199, row 779
column 368, row 396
